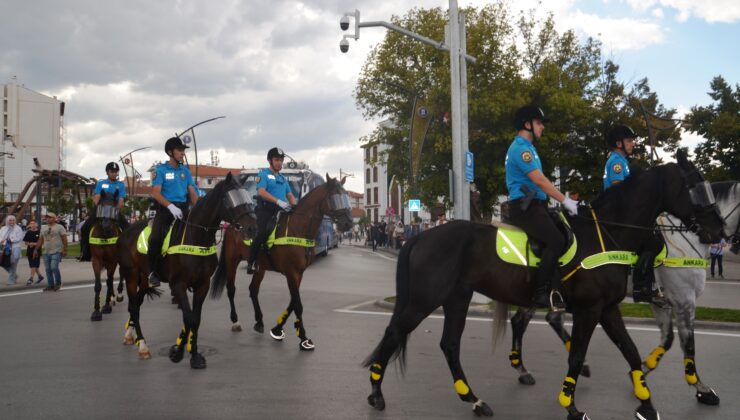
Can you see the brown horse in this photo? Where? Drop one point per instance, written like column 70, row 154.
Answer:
column 103, row 238
column 191, row 268
column 303, row 222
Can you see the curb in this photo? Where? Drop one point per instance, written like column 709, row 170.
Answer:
column 483, row 310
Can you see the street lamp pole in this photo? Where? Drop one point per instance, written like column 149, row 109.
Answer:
column 458, row 90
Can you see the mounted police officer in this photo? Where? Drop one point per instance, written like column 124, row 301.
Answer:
column 173, row 186
column 110, row 192
column 274, row 195
column 529, row 189
column 621, row 140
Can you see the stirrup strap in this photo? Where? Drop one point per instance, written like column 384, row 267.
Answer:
column 598, row 229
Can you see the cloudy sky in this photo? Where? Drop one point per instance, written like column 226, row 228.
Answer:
column 134, row 72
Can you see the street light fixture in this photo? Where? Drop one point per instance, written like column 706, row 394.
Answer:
column 459, row 91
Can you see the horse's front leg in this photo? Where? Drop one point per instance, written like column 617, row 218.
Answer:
column 180, row 295
column 663, row 317
column 584, row 323
column 555, row 320
column 613, row 325
column 254, row 291
column 294, row 284
column 685, row 313
column 519, row 323
column 109, row 301
column 197, row 361
column 97, row 267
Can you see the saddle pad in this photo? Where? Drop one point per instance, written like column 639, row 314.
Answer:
column 92, row 240
column 512, row 246
column 142, row 245
column 288, row 240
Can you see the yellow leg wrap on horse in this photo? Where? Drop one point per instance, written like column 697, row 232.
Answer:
column 690, row 371
column 514, row 358
column 180, row 337
column 125, row 326
column 654, row 358
column 567, row 346
column 281, row 318
column 640, row 388
column 375, row 370
column 190, row 342
column 461, row 387
column 566, row 393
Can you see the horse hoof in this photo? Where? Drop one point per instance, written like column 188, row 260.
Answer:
column 526, row 379
column 307, row 345
column 376, row 401
column 119, row 298
column 236, row 327
column 107, row 309
column 176, row 353
column 259, row 327
column 277, row 334
column 708, row 398
column 96, row 316
column 481, row 409
column 644, row 412
column 578, row 416
column 197, row 361
column 128, row 341
column 586, row 371
column 145, row 355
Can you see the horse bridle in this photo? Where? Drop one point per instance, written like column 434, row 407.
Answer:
column 701, row 197
column 232, row 200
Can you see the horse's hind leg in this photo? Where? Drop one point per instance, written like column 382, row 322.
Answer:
column 555, row 319
column 231, row 266
column 110, row 270
column 254, row 291
column 665, row 323
column 136, row 293
column 613, row 325
column 685, row 312
column 294, row 284
column 519, row 322
column 197, row 361
column 97, row 267
column 456, row 309
column 119, row 296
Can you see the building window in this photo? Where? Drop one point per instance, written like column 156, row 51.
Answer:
column 375, row 194
column 375, row 174
column 367, row 176
column 210, row 181
column 367, row 156
column 375, row 212
column 375, row 152
column 369, row 198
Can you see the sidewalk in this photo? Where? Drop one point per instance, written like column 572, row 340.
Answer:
column 73, row 272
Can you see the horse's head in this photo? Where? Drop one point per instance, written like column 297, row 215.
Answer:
column 689, row 197
column 107, row 217
column 337, row 204
column 236, row 206
column 728, row 200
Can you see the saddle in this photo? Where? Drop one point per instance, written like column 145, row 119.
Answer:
column 515, row 247
column 142, row 244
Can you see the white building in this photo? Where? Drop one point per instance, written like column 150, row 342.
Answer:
column 32, row 136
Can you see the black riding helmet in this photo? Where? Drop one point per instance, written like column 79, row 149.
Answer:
column 528, row 114
column 275, row 152
column 619, row 133
column 111, row 166
column 174, row 143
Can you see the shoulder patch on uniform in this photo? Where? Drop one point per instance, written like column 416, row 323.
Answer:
column 182, row 176
column 256, row 179
column 154, row 175
column 617, row 168
column 526, row 157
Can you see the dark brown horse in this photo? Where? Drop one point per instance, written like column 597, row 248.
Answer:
column 191, row 270
column 303, row 222
column 103, row 238
column 445, row 265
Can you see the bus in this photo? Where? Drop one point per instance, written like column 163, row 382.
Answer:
column 301, row 181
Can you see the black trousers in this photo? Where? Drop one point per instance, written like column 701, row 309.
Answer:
column 718, row 260
column 643, row 276
column 265, row 212
column 160, row 225
column 536, row 222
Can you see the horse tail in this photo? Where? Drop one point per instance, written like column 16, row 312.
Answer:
column 402, row 300
column 219, row 276
column 500, row 317
column 152, row 292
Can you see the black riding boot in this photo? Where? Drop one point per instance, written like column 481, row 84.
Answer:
column 546, row 294
column 643, row 280
column 154, row 280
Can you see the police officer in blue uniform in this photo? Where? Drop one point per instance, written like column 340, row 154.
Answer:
column 529, row 190
column 274, row 195
column 621, row 140
column 109, row 191
column 173, row 186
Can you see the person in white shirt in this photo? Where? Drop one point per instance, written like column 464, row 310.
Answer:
column 11, row 239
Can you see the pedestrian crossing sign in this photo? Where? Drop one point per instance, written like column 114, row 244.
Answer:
column 414, row 205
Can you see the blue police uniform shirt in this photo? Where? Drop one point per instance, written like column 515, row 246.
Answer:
column 617, row 169
column 174, row 182
column 108, row 188
column 276, row 185
column 522, row 159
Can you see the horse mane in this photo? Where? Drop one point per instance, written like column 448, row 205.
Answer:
column 722, row 189
column 620, row 194
column 309, row 194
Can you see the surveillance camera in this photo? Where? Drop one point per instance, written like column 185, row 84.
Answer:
column 344, row 45
column 344, row 23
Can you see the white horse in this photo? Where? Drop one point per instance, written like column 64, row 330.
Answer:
column 683, row 285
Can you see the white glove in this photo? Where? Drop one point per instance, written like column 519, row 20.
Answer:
column 176, row 212
column 283, row 205
column 570, row 205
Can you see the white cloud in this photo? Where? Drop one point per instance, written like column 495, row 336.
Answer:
column 725, row 11
column 657, row 13
column 618, row 34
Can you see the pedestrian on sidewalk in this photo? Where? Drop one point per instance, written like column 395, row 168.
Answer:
column 716, row 251
column 11, row 238
column 32, row 242
column 53, row 243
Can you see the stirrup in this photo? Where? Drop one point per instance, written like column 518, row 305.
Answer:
column 557, row 303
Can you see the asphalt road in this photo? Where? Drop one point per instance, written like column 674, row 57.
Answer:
column 58, row 364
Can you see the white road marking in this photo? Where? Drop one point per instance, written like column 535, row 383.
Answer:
column 379, row 254
column 729, row 283
column 351, row 310
column 31, row 292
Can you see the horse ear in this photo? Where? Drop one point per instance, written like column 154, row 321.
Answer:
column 229, row 177
column 328, row 178
column 683, row 162
column 344, row 178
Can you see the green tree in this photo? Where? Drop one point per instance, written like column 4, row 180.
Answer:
column 61, row 199
column 718, row 156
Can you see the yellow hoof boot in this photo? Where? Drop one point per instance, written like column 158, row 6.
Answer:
column 566, row 394
column 690, row 371
column 640, row 387
column 461, row 387
column 654, row 358
column 376, row 372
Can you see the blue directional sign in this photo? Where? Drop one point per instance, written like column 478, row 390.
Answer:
column 414, row 205
column 469, row 163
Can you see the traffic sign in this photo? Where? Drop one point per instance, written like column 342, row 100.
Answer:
column 469, row 164
column 414, row 205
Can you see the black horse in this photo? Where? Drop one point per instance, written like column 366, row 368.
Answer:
column 445, row 265
column 183, row 271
